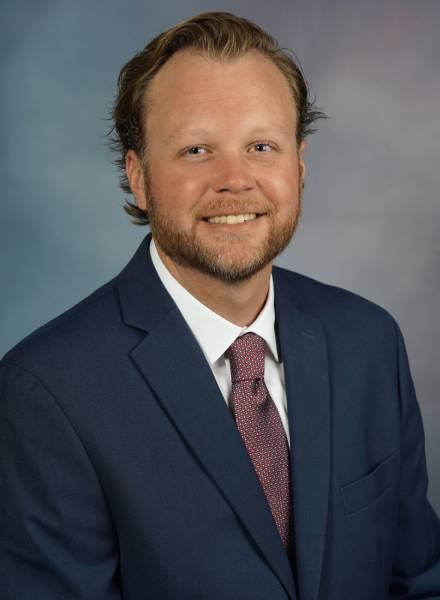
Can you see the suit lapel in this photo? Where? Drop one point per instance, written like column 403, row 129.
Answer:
column 173, row 365
column 304, row 355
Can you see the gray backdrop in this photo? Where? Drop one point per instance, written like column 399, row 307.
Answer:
column 371, row 207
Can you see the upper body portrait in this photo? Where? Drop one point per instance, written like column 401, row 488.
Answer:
column 207, row 425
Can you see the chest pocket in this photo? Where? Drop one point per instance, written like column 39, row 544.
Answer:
column 364, row 491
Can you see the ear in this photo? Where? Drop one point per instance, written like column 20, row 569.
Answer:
column 302, row 165
column 135, row 175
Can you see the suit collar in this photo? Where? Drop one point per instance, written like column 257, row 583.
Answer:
column 305, row 358
column 144, row 300
column 172, row 363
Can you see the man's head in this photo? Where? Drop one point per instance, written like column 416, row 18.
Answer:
column 210, row 120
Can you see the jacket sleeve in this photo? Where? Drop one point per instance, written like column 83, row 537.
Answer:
column 416, row 564
column 56, row 534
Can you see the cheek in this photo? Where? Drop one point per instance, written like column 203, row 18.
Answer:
column 283, row 189
column 176, row 191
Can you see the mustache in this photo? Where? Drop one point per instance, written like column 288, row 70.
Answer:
column 233, row 207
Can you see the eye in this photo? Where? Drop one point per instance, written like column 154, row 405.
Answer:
column 193, row 151
column 262, row 147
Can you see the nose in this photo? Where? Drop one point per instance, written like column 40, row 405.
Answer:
column 232, row 174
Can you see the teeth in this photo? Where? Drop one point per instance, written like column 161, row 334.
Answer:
column 231, row 219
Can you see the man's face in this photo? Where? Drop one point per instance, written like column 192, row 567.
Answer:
column 221, row 142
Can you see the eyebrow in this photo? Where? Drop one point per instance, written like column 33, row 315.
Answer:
column 182, row 132
column 200, row 132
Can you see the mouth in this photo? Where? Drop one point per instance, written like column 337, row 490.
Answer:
column 232, row 219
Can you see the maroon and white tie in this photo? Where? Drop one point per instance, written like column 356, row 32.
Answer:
column 260, row 426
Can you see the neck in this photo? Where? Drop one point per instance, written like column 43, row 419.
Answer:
column 239, row 302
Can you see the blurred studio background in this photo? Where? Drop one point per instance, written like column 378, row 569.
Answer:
column 371, row 212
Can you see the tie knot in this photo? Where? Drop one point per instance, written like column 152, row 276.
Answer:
column 246, row 356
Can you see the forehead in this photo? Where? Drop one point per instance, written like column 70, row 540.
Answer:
column 192, row 90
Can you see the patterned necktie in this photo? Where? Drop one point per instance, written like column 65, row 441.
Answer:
column 260, row 426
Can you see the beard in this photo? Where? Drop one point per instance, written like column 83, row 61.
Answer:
column 219, row 260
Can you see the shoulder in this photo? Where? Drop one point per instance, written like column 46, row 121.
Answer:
column 84, row 327
column 321, row 298
column 94, row 336
column 339, row 310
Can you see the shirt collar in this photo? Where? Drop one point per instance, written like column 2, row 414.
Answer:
column 214, row 333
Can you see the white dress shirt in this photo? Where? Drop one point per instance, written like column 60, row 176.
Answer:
column 215, row 334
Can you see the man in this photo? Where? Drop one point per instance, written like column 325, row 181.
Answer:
column 206, row 425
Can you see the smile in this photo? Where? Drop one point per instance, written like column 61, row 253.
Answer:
column 232, row 219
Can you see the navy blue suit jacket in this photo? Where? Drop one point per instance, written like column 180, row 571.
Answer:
column 123, row 475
